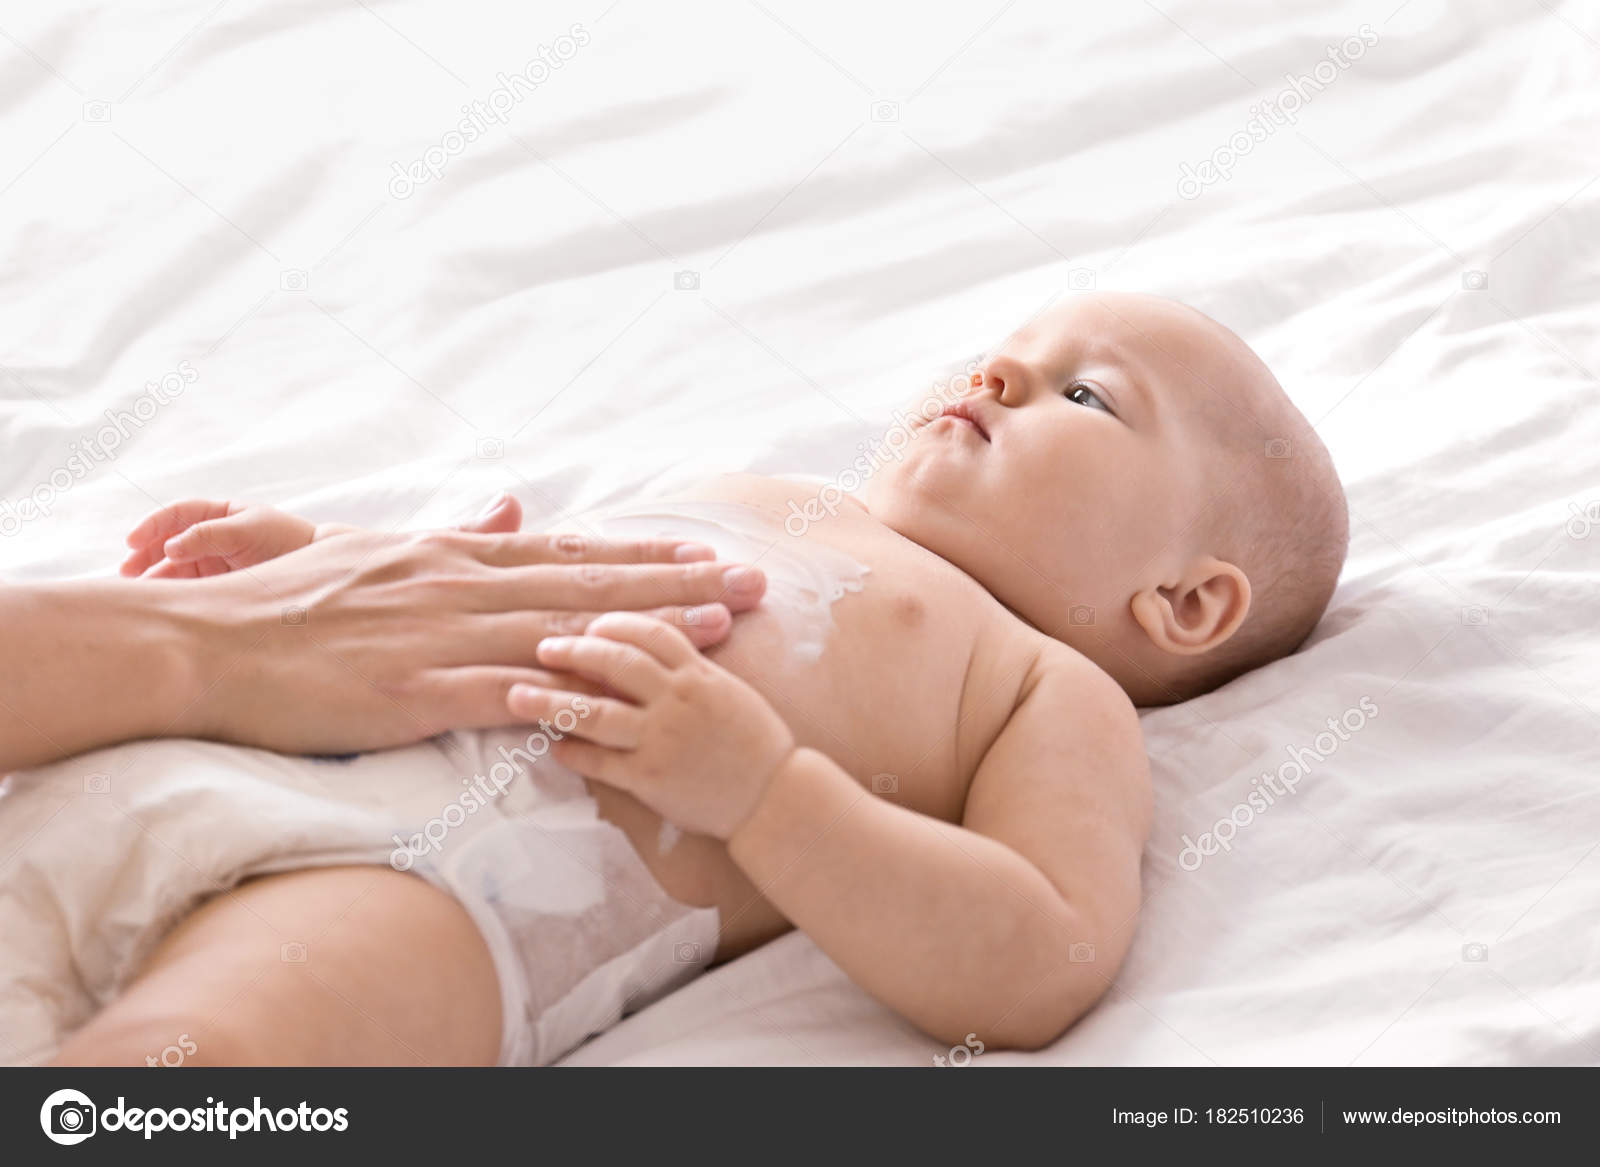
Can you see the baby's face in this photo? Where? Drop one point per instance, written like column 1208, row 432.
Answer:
column 1064, row 481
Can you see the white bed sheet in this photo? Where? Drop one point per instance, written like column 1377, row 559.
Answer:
column 865, row 194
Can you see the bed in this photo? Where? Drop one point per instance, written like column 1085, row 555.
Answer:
column 376, row 261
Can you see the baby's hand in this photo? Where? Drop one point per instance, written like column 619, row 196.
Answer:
column 197, row 537
column 683, row 735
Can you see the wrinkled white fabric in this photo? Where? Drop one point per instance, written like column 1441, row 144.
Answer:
column 859, row 197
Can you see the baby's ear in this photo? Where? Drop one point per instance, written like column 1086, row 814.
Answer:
column 1198, row 610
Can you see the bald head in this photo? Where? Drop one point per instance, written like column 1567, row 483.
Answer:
column 1278, row 509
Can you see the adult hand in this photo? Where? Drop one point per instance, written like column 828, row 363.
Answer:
column 358, row 641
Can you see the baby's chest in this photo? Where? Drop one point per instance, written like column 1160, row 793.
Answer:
column 883, row 696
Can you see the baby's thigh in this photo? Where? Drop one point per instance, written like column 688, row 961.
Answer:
column 336, row 965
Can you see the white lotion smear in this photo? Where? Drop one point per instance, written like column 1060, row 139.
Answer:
column 805, row 577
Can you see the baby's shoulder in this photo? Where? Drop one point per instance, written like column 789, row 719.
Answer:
column 1067, row 704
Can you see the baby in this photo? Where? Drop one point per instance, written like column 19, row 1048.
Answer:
column 921, row 748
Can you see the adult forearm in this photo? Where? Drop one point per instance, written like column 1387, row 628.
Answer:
column 360, row 641
column 953, row 930
column 87, row 664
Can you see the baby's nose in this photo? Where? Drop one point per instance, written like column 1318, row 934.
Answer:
column 1008, row 378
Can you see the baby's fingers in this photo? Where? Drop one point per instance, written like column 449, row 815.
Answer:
column 160, row 525
column 621, row 667
column 167, row 569
column 601, row 720
column 613, row 767
column 140, row 560
column 232, row 540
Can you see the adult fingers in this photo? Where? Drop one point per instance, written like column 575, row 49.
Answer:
column 622, row 587
column 522, row 550
column 513, row 637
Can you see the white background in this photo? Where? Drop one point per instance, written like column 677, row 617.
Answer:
column 168, row 169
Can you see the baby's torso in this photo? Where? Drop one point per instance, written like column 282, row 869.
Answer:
column 876, row 652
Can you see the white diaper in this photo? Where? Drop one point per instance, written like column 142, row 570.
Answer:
column 102, row 854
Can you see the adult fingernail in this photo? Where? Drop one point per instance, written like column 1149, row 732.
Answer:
column 740, row 579
column 694, row 553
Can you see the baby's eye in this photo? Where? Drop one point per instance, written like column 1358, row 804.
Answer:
column 1081, row 394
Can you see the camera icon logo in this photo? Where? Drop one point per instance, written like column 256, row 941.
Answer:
column 1475, row 281
column 1081, row 953
column 1080, row 614
column 1475, row 953
column 686, row 952
column 1584, row 519
column 1081, row 279
column 97, row 111
column 97, row 783
column 1279, row 449
column 491, row 449
column 294, row 617
column 686, row 281
column 67, row 1117
column 885, row 784
column 292, row 279
column 293, row 952
column 1474, row 617
column 886, row 111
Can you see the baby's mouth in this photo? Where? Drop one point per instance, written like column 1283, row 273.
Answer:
column 963, row 412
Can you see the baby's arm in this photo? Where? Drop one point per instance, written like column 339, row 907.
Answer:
column 1009, row 926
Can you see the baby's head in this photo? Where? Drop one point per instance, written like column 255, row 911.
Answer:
column 1131, row 479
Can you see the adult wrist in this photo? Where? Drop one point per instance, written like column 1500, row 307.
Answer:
column 160, row 647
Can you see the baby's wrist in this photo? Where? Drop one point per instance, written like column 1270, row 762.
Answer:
column 769, row 814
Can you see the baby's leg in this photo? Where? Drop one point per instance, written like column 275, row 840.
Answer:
column 330, row 966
